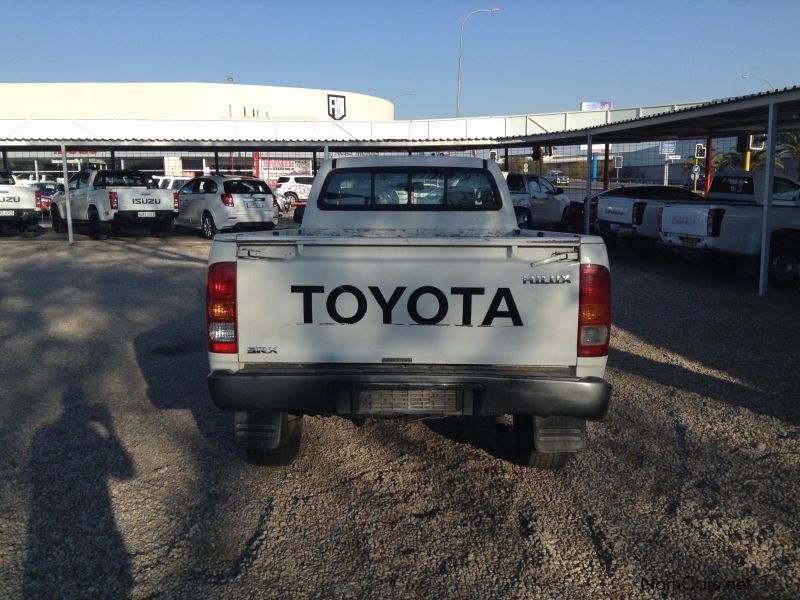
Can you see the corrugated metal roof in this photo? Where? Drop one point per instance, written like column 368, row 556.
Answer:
column 686, row 120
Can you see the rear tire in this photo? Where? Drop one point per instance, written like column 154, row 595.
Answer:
column 208, row 228
column 291, row 197
column 59, row 226
column 526, row 454
column 288, row 448
column 98, row 230
column 784, row 265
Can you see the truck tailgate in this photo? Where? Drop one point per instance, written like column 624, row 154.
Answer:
column 432, row 301
column 615, row 210
column 144, row 199
column 685, row 219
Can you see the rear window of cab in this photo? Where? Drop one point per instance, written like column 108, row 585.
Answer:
column 246, row 186
column 403, row 189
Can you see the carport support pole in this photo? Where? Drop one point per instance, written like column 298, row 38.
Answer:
column 587, row 203
column 606, row 168
column 772, row 127
column 314, row 162
column 327, row 153
column 113, row 160
column 216, row 162
column 66, row 193
column 709, row 166
column 5, row 160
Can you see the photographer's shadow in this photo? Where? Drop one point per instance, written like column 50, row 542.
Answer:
column 74, row 546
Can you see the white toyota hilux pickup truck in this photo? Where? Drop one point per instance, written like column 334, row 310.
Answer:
column 108, row 200
column 412, row 293
column 19, row 205
column 727, row 227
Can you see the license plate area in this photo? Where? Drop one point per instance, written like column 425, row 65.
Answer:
column 690, row 241
column 395, row 400
column 146, row 214
column 6, row 213
column 254, row 204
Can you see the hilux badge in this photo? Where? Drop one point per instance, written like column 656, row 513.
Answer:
column 546, row 279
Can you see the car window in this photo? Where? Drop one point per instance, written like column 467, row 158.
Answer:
column 246, row 186
column 784, row 189
column 515, row 183
column 730, row 184
column 6, row 179
column 283, row 180
column 410, row 190
column 190, row 187
column 121, row 179
column 534, row 186
column 207, row 186
column 177, row 182
column 305, row 180
column 546, row 185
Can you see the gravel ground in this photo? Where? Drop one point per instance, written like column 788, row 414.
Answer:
column 120, row 479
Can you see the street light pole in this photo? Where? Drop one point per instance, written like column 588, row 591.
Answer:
column 771, row 87
column 461, row 50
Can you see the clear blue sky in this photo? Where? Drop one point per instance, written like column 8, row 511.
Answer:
column 531, row 56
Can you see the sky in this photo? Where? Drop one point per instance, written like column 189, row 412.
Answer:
column 531, row 56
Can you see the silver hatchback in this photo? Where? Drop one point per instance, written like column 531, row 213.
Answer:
column 226, row 203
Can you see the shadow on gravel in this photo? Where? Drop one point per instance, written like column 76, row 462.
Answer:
column 483, row 433
column 74, row 546
column 173, row 362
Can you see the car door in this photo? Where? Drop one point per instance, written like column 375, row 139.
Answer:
column 79, row 195
column 187, row 205
column 544, row 205
column 208, row 199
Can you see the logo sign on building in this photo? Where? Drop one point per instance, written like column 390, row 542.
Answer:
column 336, row 107
column 668, row 147
column 602, row 105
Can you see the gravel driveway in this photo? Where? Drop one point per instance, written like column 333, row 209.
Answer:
column 120, row 479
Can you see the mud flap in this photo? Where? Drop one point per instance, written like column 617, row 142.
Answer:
column 559, row 434
column 258, row 429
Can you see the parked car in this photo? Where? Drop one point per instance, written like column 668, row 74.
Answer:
column 294, row 188
column 225, row 203
column 557, row 177
column 169, row 182
column 46, row 190
column 573, row 216
column 545, row 204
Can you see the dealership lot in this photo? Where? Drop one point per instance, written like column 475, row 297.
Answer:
column 120, row 477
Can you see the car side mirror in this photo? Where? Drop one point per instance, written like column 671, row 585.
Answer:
column 522, row 216
column 60, row 187
column 298, row 214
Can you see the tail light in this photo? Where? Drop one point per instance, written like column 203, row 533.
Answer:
column 221, row 308
column 660, row 216
column 39, row 200
column 113, row 200
column 594, row 313
column 227, row 199
column 638, row 213
column 176, row 200
column 714, row 221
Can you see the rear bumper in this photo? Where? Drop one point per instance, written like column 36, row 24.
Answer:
column 336, row 391
column 122, row 217
column 22, row 215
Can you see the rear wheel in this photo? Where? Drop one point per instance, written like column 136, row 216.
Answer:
column 208, row 228
column 526, row 454
column 59, row 226
column 784, row 265
column 98, row 230
column 291, row 198
column 288, row 446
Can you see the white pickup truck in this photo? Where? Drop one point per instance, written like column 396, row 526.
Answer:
column 544, row 204
column 727, row 227
column 628, row 215
column 108, row 200
column 19, row 206
column 411, row 292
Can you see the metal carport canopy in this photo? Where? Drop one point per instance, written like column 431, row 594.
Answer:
column 721, row 118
